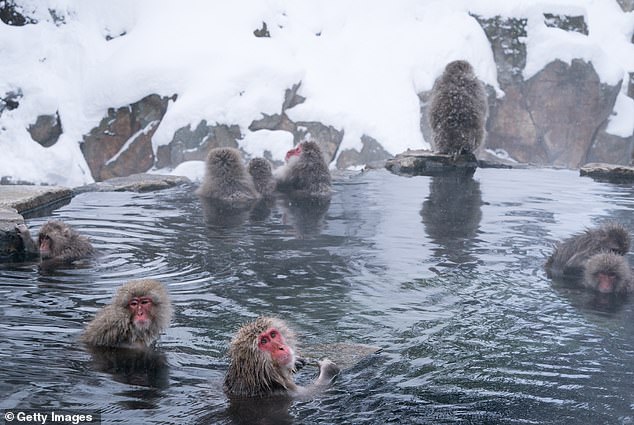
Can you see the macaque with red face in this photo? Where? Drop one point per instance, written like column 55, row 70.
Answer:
column 570, row 256
column 57, row 242
column 263, row 360
column 305, row 174
column 139, row 312
column 608, row 273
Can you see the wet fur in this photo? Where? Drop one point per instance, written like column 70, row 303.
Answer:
column 570, row 256
column 262, row 174
column 226, row 178
column 306, row 176
column 458, row 110
column 113, row 327
column 66, row 245
column 609, row 263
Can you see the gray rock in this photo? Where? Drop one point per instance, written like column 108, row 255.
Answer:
column 141, row 182
column 608, row 172
column 427, row 163
column 46, row 129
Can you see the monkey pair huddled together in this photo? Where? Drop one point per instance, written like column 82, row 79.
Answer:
column 263, row 356
column 304, row 176
column 596, row 259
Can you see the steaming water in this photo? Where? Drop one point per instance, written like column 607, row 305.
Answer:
column 446, row 278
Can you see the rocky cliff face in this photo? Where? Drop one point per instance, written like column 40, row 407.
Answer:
column 557, row 117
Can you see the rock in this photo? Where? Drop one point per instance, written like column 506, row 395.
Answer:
column 13, row 15
column 11, row 246
column 611, row 149
column 121, row 144
column 328, row 137
column 134, row 183
column 188, row 145
column 46, row 130
column 427, row 163
column 626, row 5
column 262, row 32
column 608, row 172
column 27, row 199
column 10, row 101
column 566, row 22
column 372, row 153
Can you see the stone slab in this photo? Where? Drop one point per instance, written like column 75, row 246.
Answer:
column 427, row 163
column 608, row 172
column 142, row 182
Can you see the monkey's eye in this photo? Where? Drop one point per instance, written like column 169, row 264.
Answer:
column 273, row 334
column 264, row 341
column 133, row 302
column 145, row 301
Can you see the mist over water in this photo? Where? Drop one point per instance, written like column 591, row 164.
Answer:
column 445, row 275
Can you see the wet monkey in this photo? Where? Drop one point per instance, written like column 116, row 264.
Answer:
column 570, row 256
column 458, row 110
column 262, row 174
column 263, row 359
column 139, row 312
column 608, row 273
column 305, row 174
column 57, row 242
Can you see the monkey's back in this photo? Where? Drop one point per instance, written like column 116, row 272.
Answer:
column 227, row 179
column 457, row 113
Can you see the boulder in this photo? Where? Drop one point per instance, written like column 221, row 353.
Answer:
column 608, row 172
column 427, row 163
column 46, row 129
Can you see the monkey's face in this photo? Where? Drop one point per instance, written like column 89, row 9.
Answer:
column 141, row 311
column 273, row 343
column 295, row 152
column 606, row 282
column 51, row 238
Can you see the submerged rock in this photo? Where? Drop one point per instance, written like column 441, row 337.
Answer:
column 427, row 163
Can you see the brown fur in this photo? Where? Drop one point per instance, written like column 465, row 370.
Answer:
column 306, row 177
column 458, row 110
column 66, row 245
column 570, row 256
column 251, row 372
column 113, row 327
column 611, row 264
column 260, row 170
column 226, row 178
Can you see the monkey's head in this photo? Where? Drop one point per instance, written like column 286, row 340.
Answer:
column 262, row 353
column 616, row 238
column 307, row 148
column 260, row 168
column 146, row 303
column 223, row 157
column 607, row 273
column 459, row 67
column 53, row 237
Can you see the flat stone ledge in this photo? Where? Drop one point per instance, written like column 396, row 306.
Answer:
column 608, row 172
column 427, row 163
column 142, row 182
column 26, row 199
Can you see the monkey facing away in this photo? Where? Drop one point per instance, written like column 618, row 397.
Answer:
column 139, row 312
column 570, row 256
column 608, row 273
column 458, row 110
column 57, row 242
column 262, row 174
column 306, row 174
column 226, row 178
column 263, row 360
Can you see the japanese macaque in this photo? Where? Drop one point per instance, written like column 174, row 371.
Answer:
column 139, row 312
column 262, row 174
column 226, row 179
column 57, row 242
column 570, row 256
column 608, row 273
column 263, row 361
column 458, row 110
column 305, row 174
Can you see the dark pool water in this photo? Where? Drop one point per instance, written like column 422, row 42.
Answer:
column 446, row 278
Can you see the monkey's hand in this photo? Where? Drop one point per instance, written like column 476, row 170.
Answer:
column 28, row 245
column 328, row 370
column 300, row 362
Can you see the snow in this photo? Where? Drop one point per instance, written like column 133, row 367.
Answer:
column 361, row 64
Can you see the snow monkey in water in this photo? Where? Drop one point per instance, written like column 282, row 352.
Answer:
column 226, row 179
column 263, row 360
column 305, row 174
column 139, row 312
column 57, row 243
column 458, row 110
column 570, row 256
column 608, row 273
column 262, row 174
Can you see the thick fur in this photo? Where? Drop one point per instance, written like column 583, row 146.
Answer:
column 458, row 110
column 226, row 178
column 262, row 174
column 113, row 327
column 570, row 256
column 66, row 245
column 611, row 264
column 251, row 373
column 306, row 176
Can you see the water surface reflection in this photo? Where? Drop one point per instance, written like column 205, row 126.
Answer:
column 445, row 275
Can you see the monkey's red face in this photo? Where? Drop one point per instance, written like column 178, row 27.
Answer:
column 607, row 282
column 293, row 152
column 141, row 309
column 45, row 245
column 271, row 341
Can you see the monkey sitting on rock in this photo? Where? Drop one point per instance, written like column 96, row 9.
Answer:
column 458, row 110
column 139, row 312
column 263, row 360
